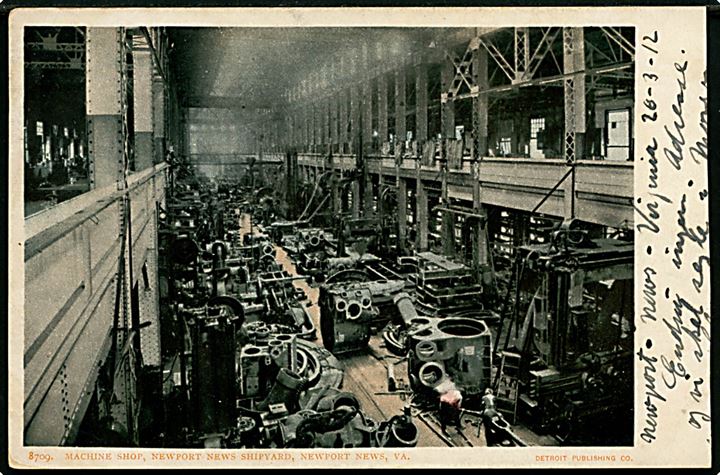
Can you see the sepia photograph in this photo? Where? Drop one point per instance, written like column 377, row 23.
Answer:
column 329, row 237
column 252, row 239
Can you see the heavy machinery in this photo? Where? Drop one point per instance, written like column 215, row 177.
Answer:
column 244, row 370
column 445, row 351
column 446, row 287
column 242, row 366
column 568, row 340
column 307, row 247
column 256, row 385
column 349, row 311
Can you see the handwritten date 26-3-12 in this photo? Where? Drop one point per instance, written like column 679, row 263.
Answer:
column 649, row 212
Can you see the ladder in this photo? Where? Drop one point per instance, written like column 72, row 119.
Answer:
column 507, row 385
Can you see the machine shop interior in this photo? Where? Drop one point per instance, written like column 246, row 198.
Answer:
column 328, row 238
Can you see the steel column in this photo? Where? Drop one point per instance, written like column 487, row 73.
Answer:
column 574, row 99
column 185, row 149
column 402, row 210
column 480, row 104
column 158, row 101
column 354, row 118
column 292, row 127
column 302, row 118
column 400, row 110
column 421, row 201
column 103, row 105
column 522, row 53
column 574, row 92
column 315, row 108
column 447, row 129
column 366, row 100
column 337, row 201
column 447, row 110
column 343, row 120
column 356, row 198
column 326, row 141
column 480, row 244
column 382, row 109
column 143, row 103
column 334, row 136
column 448, row 219
column 421, row 104
column 367, row 112
column 421, row 211
column 305, row 115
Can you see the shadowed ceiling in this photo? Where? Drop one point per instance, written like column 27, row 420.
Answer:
column 250, row 68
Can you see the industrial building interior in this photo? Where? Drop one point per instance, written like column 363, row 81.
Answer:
column 328, row 237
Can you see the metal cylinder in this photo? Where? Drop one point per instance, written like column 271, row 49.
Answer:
column 219, row 249
column 405, row 307
column 184, row 250
column 431, row 374
column 341, row 305
column 402, row 433
column 354, row 310
column 286, row 389
column 213, row 388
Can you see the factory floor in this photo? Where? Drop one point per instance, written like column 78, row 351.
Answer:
column 366, row 376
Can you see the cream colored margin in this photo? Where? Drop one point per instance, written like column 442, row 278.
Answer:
column 677, row 444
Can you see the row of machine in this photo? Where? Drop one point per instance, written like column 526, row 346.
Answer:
column 545, row 344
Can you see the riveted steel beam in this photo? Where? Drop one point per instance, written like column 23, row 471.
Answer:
column 521, row 37
column 421, row 103
column 142, row 102
column 400, row 107
column 103, row 105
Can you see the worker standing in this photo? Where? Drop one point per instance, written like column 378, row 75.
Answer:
column 489, row 416
column 450, row 405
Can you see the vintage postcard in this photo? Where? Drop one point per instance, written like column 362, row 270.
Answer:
column 359, row 237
